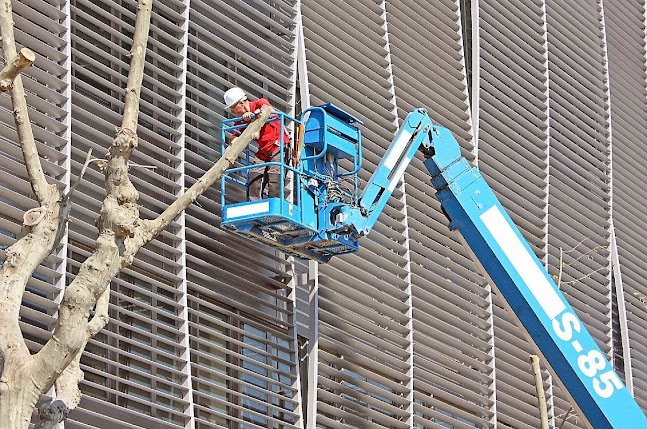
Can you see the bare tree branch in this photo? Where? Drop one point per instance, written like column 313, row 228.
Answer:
column 68, row 396
column 118, row 220
column 88, row 160
column 100, row 318
column 561, row 268
column 25, row 135
column 25, row 377
column 566, row 416
column 95, row 274
column 25, row 255
column 24, row 59
column 121, row 234
column 137, row 59
column 66, row 204
column 539, row 387
column 151, row 228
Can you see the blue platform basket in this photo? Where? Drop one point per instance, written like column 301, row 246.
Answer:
column 293, row 224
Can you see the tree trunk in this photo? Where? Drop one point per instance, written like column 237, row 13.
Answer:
column 24, row 377
column 105, row 263
column 25, row 255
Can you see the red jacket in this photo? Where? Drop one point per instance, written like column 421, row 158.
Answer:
column 269, row 139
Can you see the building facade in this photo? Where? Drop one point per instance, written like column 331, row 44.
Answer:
column 547, row 97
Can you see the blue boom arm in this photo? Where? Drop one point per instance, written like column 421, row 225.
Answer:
column 507, row 260
column 413, row 134
column 324, row 219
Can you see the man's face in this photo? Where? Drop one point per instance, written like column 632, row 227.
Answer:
column 239, row 108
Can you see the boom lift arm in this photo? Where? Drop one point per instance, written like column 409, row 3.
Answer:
column 322, row 220
column 415, row 134
column 515, row 272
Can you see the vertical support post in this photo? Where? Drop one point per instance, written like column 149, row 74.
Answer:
column 607, row 90
column 614, row 257
column 313, row 343
column 474, row 101
column 550, row 401
column 302, row 67
column 292, row 322
column 622, row 312
column 405, row 224
column 67, row 150
column 476, row 75
column 539, row 387
column 183, row 288
column 61, row 251
column 297, row 385
column 491, row 343
column 410, row 326
column 312, row 282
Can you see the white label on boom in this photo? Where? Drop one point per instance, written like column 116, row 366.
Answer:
column 248, row 209
column 396, row 149
column 523, row 262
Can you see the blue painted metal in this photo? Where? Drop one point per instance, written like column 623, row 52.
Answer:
column 324, row 220
column 304, row 226
column 518, row 276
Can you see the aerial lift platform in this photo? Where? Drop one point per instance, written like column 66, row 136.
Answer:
column 329, row 137
column 326, row 214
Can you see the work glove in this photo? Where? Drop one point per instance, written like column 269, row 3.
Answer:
column 247, row 116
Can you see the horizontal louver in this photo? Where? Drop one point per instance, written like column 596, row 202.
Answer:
column 579, row 207
column 135, row 368
column 202, row 330
column 363, row 322
column 451, row 310
column 243, row 351
column 512, row 154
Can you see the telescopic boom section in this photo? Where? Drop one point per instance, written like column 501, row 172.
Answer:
column 530, row 294
column 319, row 224
column 413, row 133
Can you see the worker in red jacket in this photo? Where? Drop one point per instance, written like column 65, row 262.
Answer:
column 269, row 144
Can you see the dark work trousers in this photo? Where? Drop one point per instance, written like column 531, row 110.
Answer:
column 265, row 177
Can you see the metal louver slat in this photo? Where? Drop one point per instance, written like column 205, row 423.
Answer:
column 229, row 280
column 512, row 155
column 546, row 97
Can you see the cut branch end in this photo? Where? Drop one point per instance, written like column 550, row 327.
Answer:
column 24, row 59
column 32, row 217
column 27, row 55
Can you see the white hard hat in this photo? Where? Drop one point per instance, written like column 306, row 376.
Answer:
column 233, row 96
